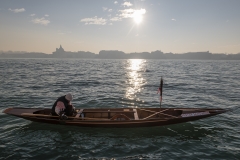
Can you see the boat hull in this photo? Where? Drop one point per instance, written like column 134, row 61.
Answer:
column 126, row 117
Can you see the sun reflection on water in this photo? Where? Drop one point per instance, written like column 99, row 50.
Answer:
column 135, row 79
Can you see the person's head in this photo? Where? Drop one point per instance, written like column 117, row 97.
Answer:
column 69, row 97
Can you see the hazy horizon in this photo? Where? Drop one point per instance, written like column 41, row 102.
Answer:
column 123, row 25
column 22, row 52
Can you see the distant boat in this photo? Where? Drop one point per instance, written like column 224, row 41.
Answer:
column 117, row 117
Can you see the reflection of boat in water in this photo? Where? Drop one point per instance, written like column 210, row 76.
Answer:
column 117, row 117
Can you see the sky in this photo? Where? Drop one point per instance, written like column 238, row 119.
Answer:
column 176, row 26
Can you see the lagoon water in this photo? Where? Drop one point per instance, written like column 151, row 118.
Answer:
column 115, row 84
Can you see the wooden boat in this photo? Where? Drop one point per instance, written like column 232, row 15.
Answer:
column 117, row 117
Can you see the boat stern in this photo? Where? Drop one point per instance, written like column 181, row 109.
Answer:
column 19, row 111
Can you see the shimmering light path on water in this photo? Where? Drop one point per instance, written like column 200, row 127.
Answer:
column 120, row 83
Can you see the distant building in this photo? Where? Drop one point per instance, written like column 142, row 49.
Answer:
column 198, row 55
column 157, row 55
column 111, row 54
column 61, row 53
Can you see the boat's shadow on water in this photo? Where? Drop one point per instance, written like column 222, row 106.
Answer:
column 184, row 131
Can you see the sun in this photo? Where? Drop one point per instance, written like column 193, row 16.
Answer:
column 138, row 15
column 137, row 18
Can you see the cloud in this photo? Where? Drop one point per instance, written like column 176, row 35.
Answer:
column 128, row 4
column 46, row 15
column 129, row 13
column 41, row 21
column 17, row 10
column 104, row 8
column 126, row 13
column 174, row 19
column 116, row 19
column 115, row 2
column 32, row 15
column 94, row 20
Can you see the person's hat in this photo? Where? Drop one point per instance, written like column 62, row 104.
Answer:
column 69, row 97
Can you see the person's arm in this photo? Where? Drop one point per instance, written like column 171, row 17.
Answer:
column 71, row 106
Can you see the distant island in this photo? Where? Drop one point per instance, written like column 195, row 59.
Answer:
column 115, row 54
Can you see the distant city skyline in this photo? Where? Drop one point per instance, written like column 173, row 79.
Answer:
column 115, row 54
column 124, row 25
column 61, row 50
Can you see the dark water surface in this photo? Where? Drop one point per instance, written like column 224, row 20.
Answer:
column 115, row 84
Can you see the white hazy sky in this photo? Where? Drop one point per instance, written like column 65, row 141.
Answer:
column 176, row 26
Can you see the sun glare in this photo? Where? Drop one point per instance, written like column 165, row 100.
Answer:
column 138, row 15
column 135, row 79
column 137, row 18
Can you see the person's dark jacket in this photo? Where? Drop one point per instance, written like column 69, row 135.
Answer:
column 68, row 108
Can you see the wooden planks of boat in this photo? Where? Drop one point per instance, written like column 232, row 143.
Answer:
column 117, row 117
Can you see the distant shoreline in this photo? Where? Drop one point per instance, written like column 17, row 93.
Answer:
column 115, row 54
column 1, row 58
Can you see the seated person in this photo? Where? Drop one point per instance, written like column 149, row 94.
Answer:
column 63, row 106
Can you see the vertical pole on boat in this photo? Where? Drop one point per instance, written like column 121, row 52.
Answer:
column 160, row 91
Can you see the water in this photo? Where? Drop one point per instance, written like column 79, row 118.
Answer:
column 120, row 83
